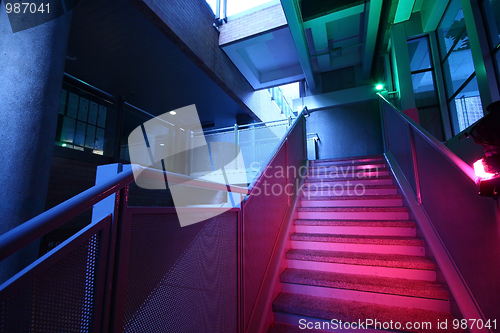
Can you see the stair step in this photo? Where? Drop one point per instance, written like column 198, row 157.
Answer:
column 382, row 285
column 360, row 159
column 353, row 213
column 352, row 201
column 347, row 174
column 287, row 328
column 427, row 295
column 365, row 190
column 387, row 265
column 290, row 308
column 356, row 227
column 378, row 240
column 326, row 169
column 357, row 243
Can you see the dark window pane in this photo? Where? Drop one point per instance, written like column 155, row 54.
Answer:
column 419, row 54
column 430, row 119
column 468, row 105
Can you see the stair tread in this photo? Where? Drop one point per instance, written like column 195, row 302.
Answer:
column 352, row 209
column 359, row 239
column 348, row 159
column 351, row 311
column 361, row 223
column 376, row 284
column 365, row 259
column 377, row 186
column 352, row 197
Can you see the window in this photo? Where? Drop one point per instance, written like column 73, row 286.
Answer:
column 491, row 14
column 86, row 122
column 422, row 75
column 458, row 69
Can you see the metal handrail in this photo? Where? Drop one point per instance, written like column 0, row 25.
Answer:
column 28, row 232
column 276, row 150
column 450, row 156
column 231, row 128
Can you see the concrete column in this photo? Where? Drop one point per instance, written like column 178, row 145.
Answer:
column 31, row 72
column 402, row 66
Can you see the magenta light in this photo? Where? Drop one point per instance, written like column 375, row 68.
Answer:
column 479, row 170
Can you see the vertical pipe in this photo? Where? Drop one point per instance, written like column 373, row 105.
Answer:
column 119, row 129
column 415, row 164
column 237, row 146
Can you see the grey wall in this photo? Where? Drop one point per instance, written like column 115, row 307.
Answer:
column 347, row 130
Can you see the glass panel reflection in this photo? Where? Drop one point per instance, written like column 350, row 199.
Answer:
column 468, row 105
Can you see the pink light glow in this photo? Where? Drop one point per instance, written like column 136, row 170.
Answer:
column 479, row 170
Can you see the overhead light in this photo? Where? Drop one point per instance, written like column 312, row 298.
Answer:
column 162, row 144
column 480, row 171
column 182, row 129
column 173, row 113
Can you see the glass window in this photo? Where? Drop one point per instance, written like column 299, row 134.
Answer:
column 468, row 105
column 423, row 89
column 419, row 54
column 422, row 76
column 458, row 69
column 451, row 27
column 86, row 122
column 459, row 66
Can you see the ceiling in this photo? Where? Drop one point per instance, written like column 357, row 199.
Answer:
column 121, row 52
column 318, row 37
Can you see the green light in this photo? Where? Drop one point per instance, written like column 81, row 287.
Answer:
column 64, row 145
column 379, row 87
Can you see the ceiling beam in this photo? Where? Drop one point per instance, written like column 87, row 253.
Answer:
column 374, row 11
column 294, row 18
column 403, row 13
column 320, row 38
column 323, row 20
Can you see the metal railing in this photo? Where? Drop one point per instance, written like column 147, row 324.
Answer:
column 256, row 141
column 136, row 268
column 455, row 217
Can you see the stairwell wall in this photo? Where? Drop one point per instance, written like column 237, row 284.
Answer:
column 348, row 130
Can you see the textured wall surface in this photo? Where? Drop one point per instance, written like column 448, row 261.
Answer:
column 347, row 130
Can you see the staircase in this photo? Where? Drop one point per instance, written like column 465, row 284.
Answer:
column 355, row 256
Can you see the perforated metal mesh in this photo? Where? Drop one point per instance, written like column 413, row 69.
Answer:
column 465, row 221
column 182, row 279
column 59, row 298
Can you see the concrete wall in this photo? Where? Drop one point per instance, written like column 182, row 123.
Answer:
column 263, row 20
column 347, row 130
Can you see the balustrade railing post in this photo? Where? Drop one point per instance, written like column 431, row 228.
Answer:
column 415, row 164
column 237, row 146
